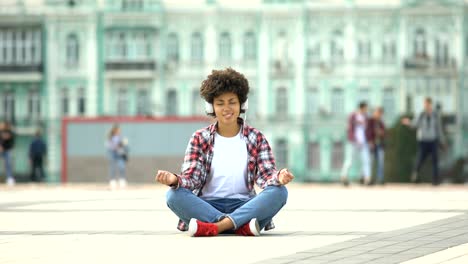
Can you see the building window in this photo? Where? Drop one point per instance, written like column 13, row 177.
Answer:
column 8, row 106
column 337, row 101
column 121, row 46
column 147, row 45
column 132, row 5
column 364, row 50
column 122, row 102
column 388, row 50
column 64, row 102
column 441, row 51
column 282, row 102
column 171, row 103
column 250, row 46
column 21, row 55
column 81, row 101
column 197, row 102
column 314, row 53
column 36, row 50
column 225, row 46
column 389, row 101
column 336, row 46
column 34, row 105
column 72, row 51
column 337, row 155
column 143, row 105
column 139, row 45
column 173, row 47
column 312, row 101
column 197, row 47
column 27, row 47
column 419, row 45
column 281, row 153
column 313, row 154
column 8, row 47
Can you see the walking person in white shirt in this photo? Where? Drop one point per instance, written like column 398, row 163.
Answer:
column 358, row 138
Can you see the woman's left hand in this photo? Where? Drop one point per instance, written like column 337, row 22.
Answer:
column 285, row 176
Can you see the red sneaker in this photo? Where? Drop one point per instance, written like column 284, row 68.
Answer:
column 249, row 229
column 198, row 228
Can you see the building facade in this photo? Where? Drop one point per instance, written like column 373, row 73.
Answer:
column 309, row 63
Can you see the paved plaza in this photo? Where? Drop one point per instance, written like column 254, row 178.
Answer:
column 320, row 224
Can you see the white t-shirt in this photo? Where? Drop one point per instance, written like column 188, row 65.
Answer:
column 360, row 128
column 228, row 177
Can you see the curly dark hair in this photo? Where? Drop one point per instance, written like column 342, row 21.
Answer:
column 225, row 81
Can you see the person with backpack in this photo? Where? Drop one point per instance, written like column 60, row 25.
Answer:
column 429, row 135
column 37, row 152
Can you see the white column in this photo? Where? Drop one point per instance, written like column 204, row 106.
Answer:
column 263, row 68
column 88, row 54
column 299, row 54
column 211, row 41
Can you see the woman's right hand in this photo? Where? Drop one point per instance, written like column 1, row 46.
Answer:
column 166, row 178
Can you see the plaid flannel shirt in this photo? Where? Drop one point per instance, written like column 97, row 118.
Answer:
column 261, row 167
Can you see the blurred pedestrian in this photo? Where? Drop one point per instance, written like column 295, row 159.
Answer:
column 376, row 132
column 429, row 135
column 7, row 143
column 358, row 139
column 37, row 153
column 215, row 192
column 117, row 147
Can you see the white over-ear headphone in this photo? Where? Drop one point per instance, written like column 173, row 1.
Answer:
column 209, row 107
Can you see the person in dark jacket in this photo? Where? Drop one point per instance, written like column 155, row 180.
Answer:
column 7, row 139
column 429, row 134
column 376, row 132
column 37, row 152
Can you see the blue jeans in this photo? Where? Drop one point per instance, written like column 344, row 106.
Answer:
column 6, row 155
column 427, row 148
column 264, row 206
column 353, row 151
column 116, row 162
column 379, row 156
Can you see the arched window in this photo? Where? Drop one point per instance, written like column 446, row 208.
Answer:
column 420, row 42
column 171, row 102
column 336, row 46
column 143, row 106
column 312, row 101
column 282, row 102
column 64, row 101
column 197, row 47
column 225, row 52
column 8, row 102
column 122, row 48
column 250, row 46
column 72, row 51
column 122, row 102
column 337, row 101
column 34, row 104
column 172, row 47
column 81, row 101
column 281, row 153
